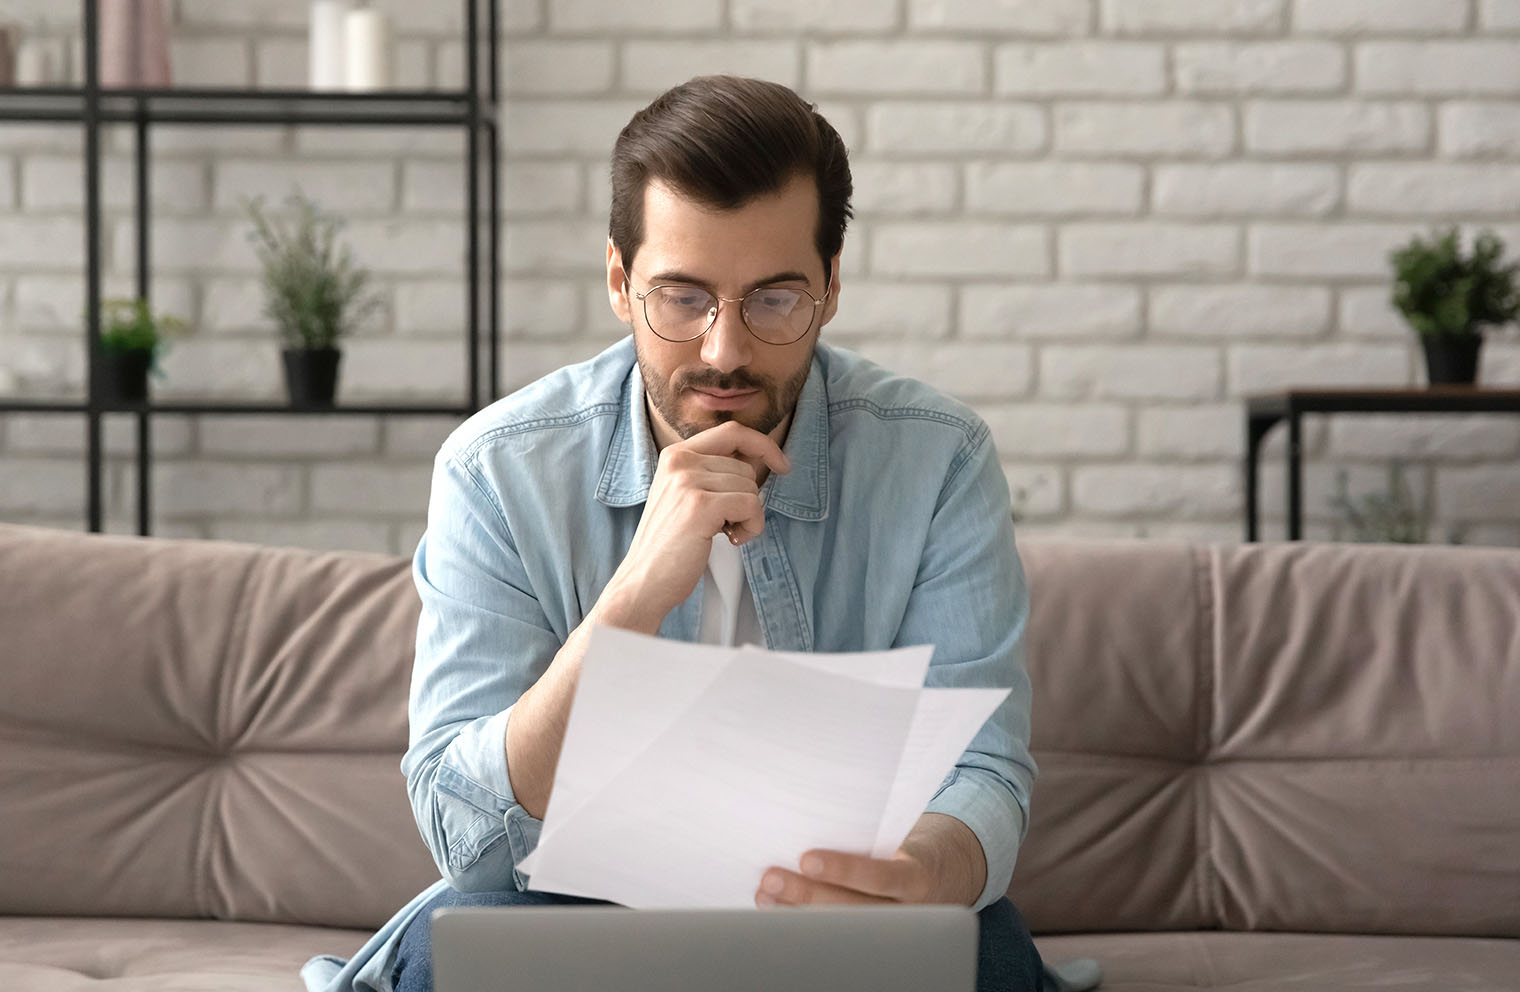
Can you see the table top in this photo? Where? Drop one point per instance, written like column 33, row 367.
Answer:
column 1385, row 399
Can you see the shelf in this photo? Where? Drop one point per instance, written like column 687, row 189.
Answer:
column 235, row 407
column 394, row 108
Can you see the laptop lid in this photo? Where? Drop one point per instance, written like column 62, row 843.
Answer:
column 795, row 949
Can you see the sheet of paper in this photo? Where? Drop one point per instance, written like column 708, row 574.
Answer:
column 691, row 769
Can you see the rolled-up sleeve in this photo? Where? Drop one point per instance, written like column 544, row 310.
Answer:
column 482, row 640
column 970, row 601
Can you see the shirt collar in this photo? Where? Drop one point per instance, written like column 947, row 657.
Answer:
column 802, row 494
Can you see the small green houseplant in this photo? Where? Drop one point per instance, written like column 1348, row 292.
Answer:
column 1448, row 297
column 313, row 292
column 132, row 337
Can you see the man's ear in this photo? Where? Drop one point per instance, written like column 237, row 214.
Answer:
column 832, row 305
column 617, row 284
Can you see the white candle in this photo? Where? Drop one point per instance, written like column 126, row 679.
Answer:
column 368, row 55
column 327, row 43
column 36, row 63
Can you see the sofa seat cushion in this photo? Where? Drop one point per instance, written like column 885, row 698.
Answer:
column 65, row 954
column 1276, row 962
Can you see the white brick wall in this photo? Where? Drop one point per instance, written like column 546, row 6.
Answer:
column 1100, row 222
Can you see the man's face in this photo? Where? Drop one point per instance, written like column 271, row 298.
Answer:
column 728, row 373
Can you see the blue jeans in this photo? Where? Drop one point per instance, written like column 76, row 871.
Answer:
column 1006, row 959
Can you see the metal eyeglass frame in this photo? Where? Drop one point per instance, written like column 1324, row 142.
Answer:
column 643, row 298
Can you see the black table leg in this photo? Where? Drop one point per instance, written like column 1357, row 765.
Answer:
column 1295, row 477
column 1257, row 426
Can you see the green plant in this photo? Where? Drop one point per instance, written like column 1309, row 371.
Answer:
column 313, row 291
column 1441, row 290
column 131, row 325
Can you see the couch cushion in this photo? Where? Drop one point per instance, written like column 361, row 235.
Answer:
column 204, row 729
column 39, row 954
column 1278, row 962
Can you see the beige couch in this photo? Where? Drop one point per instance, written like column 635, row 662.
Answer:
column 1253, row 760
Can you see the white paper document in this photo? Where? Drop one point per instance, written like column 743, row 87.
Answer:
column 687, row 769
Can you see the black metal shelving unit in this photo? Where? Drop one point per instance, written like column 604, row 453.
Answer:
column 472, row 108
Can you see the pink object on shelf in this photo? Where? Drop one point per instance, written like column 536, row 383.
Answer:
column 134, row 43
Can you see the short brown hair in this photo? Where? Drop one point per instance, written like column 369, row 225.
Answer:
column 722, row 141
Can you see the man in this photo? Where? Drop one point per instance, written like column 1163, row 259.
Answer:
column 718, row 476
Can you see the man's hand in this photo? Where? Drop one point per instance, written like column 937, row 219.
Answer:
column 941, row 861
column 703, row 485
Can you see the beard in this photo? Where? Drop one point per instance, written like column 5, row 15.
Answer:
column 666, row 395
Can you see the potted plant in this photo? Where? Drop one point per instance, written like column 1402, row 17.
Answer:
column 1448, row 297
column 132, row 337
column 313, row 292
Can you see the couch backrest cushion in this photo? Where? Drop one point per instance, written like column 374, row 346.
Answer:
column 1288, row 737
column 195, row 728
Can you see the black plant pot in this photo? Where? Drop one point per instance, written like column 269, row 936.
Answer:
column 123, row 375
column 1451, row 359
column 311, row 375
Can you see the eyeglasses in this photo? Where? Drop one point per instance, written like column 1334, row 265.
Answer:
column 775, row 316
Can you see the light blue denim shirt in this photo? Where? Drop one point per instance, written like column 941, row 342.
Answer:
column 893, row 528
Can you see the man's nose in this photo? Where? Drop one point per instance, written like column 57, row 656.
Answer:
column 728, row 343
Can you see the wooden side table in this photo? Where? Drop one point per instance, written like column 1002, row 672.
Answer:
column 1264, row 410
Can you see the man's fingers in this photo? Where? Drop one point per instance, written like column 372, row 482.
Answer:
column 779, row 887
column 732, row 438
column 890, row 879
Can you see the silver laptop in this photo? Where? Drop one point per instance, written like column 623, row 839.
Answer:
column 794, row 949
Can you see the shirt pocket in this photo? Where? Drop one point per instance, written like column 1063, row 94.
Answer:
column 471, row 818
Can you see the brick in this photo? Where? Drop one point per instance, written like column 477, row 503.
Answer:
column 233, row 305
column 1439, row 68
column 928, row 68
column 201, row 62
column 1035, row 490
column 654, row 66
column 1239, row 311
column 1245, row 189
column 959, row 248
column 1077, row 529
column 41, row 485
column 209, row 140
column 261, row 438
column 1483, row 535
column 439, row 187
column 554, row 247
column 902, row 187
column 56, row 303
column 1361, row 18
column 283, row 63
column 50, row 182
column 1251, row 68
column 1211, row 431
column 1148, row 249
column 7, row 183
column 341, row 188
column 64, row 434
column 1057, row 189
column 38, row 242
column 1480, row 492
column 1213, row 17
column 844, row 118
column 266, row 17
column 530, row 361
column 1009, row 18
column 1050, row 430
column 545, row 127
column 981, row 370
column 544, row 67
column 937, row 128
column 1296, row 127
column 539, row 308
column 1408, row 437
column 537, row 188
column 1502, row 15
column 20, row 136
column 184, row 489
column 381, row 370
column 1085, row 68
column 415, row 437
column 793, row 17
column 1419, row 190
column 1321, row 491
column 1192, row 532
column 48, row 366
column 1474, row 130
column 327, row 534
column 1370, row 313
column 1191, row 130
column 1055, row 311
column 602, row 16
column 1499, row 362
column 431, row 307
column 415, row 142
column 889, row 310
column 1323, row 251
column 1129, row 372
column 1156, row 490
column 404, row 245
column 189, row 244
column 1257, row 368
column 198, row 367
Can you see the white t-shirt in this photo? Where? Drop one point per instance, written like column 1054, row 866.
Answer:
column 728, row 610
